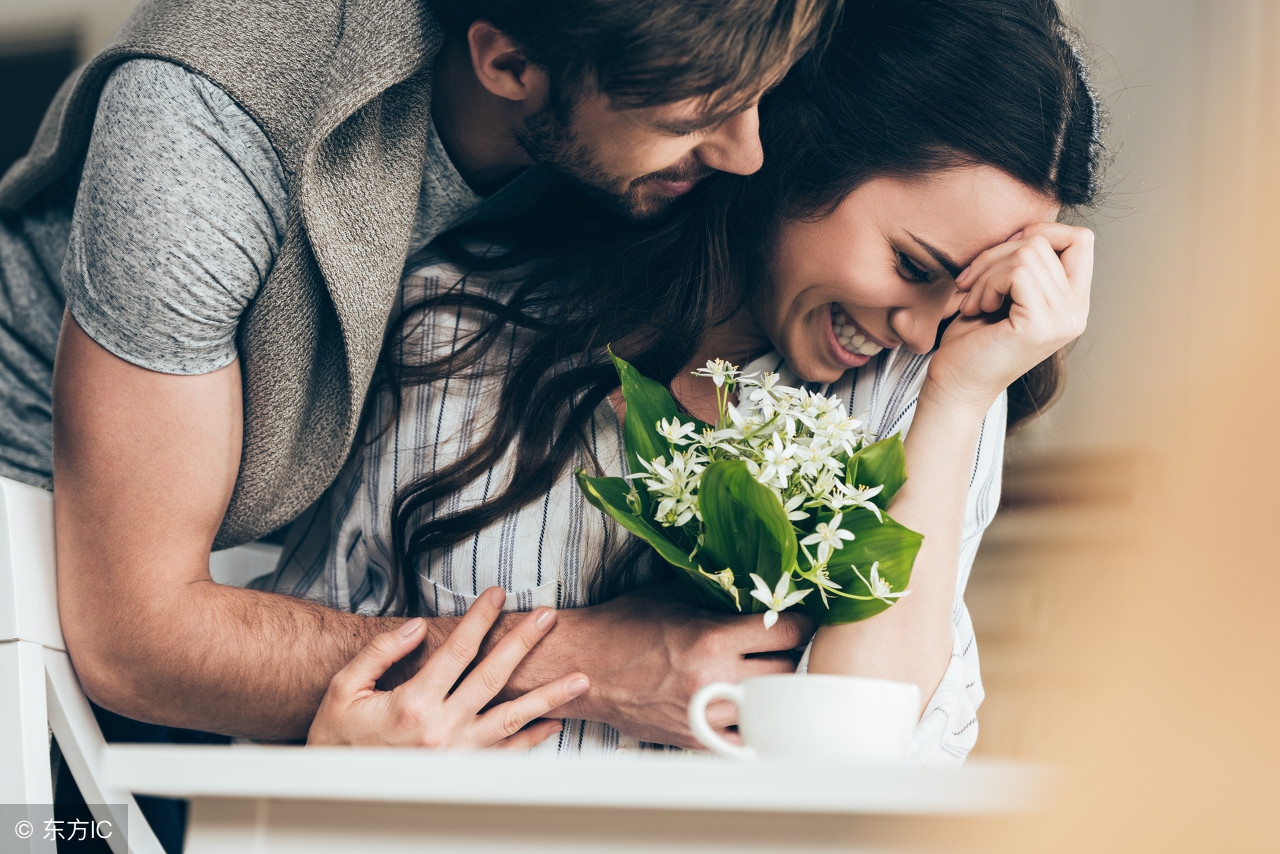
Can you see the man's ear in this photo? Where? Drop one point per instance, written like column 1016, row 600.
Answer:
column 501, row 66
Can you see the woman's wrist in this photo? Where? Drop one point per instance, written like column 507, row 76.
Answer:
column 956, row 406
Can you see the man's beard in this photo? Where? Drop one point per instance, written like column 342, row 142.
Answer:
column 549, row 139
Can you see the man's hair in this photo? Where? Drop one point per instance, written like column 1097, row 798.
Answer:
column 642, row 53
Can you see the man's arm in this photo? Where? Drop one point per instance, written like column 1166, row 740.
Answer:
column 144, row 466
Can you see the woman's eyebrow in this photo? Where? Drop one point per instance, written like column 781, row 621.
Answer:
column 943, row 259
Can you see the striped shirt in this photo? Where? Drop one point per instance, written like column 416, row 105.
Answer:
column 340, row 551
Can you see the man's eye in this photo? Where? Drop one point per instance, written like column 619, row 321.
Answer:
column 910, row 270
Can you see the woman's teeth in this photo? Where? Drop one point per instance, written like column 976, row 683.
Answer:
column 848, row 336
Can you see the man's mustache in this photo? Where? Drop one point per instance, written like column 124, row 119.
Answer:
column 679, row 175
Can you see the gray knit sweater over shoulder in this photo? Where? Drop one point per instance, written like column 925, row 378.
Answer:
column 342, row 91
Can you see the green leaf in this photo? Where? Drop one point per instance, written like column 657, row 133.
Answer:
column 745, row 527
column 610, row 495
column 648, row 402
column 894, row 546
column 883, row 462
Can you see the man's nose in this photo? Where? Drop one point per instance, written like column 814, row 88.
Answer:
column 734, row 145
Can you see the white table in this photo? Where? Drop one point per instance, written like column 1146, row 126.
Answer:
column 292, row 799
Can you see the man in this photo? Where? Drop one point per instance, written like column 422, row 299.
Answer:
column 255, row 176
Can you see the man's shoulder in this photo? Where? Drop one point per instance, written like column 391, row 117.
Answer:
column 146, row 80
column 288, row 62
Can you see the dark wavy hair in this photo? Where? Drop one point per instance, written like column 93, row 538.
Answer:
column 904, row 88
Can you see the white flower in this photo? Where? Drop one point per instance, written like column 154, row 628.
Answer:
column 767, row 397
column 675, row 432
column 861, row 497
column 776, row 464
column 725, row 579
column 777, row 599
column 720, row 440
column 676, row 485
column 794, row 513
column 820, row 576
column 719, row 371
column 675, row 512
column 738, row 421
column 879, row 588
column 823, row 580
column 841, row 431
column 824, row 488
column 815, row 457
column 829, row 536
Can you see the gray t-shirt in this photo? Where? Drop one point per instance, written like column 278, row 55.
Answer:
column 179, row 217
column 181, row 214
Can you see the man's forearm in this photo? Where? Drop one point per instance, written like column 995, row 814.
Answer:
column 225, row 659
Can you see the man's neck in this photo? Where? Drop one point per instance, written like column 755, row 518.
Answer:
column 476, row 127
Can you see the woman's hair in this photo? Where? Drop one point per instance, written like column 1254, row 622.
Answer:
column 912, row 87
column 904, row 88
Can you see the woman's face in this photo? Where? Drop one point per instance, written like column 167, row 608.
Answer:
column 880, row 270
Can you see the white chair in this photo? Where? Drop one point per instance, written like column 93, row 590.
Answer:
column 39, row 692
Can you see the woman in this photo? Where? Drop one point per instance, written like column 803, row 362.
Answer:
column 915, row 173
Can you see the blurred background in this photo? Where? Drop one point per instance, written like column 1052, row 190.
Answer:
column 1127, row 595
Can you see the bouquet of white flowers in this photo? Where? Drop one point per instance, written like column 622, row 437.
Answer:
column 784, row 495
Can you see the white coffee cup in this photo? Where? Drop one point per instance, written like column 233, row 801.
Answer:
column 813, row 717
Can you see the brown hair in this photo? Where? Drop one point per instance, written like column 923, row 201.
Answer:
column 642, row 53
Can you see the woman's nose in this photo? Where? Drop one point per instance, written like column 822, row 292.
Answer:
column 917, row 325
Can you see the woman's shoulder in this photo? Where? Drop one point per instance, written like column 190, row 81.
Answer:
column 440, row 271
column 431, row 273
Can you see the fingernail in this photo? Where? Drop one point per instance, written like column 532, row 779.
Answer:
column 410, row 627
column 964, row 274
column 578, row 685
column 543, row 620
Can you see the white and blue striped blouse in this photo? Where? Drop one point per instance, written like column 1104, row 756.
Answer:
column 339, row 552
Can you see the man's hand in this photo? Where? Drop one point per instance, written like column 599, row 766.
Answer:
column 439, row 707
column 647, row 652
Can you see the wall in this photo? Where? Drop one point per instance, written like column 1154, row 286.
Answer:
column 89, row 22
column 1170, row 741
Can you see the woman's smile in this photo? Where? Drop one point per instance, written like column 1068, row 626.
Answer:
column 853, row 345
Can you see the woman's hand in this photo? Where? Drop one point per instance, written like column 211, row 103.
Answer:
column 1044, row 273
column 427, row 710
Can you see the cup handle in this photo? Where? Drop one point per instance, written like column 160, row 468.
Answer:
column 698, row 720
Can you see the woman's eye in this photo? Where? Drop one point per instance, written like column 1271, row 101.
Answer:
column 910, row 270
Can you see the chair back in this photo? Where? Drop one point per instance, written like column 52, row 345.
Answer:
column 39, row 692
column 28, row 583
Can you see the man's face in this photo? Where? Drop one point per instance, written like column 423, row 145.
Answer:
column 639, row 161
